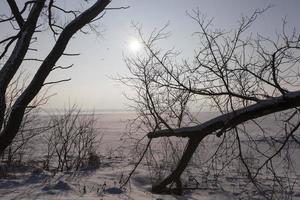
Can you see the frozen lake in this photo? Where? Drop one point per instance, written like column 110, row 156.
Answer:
column 113, row 126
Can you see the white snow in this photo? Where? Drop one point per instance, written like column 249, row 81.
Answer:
column 104, row 182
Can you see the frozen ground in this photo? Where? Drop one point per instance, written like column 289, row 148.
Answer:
column 99, row 184
column 104, row 182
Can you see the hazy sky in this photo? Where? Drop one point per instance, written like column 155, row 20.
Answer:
column 102, row 56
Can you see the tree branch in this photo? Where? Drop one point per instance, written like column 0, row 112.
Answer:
column 44, row 70
column 288, row 101
column 15, row 10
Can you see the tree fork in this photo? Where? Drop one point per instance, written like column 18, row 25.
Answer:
column 197, row 133
column 15, row 118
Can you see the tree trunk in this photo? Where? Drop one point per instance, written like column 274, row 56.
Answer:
column 174, row 177
column 18, row 109
column 220, row 123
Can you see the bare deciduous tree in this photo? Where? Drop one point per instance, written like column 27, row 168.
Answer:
column 31, row 126
column 27, row 20
column 243, row 77
column 72, row 141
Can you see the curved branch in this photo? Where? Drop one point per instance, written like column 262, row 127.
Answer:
column 229, row 120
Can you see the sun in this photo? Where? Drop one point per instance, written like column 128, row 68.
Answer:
column 134, row 45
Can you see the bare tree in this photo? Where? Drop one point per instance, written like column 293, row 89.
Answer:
column 72, row 141
column 247, row 79
column 27, row 20
column 31, row 126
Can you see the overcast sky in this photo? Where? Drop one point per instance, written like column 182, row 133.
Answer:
column 102, row 56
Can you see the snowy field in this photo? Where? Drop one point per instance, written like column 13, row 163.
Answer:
column 104, row 182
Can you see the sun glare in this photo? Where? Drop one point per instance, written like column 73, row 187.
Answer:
column 134, row 46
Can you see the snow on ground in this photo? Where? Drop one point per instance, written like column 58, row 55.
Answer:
column 103, row 183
